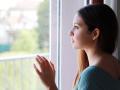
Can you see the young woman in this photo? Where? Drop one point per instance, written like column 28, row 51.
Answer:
column 94, row 35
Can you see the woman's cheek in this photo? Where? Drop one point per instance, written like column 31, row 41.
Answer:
column 81, row 39
column 78, row 39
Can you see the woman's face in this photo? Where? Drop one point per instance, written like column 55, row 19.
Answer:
column 80, row 36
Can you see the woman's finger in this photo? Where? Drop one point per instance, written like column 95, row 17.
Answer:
column 52, row 64
column 36, row 69
column 53, row 69
column 48, row 66
column 42, row 67
column 40, row 74
column 42, row 59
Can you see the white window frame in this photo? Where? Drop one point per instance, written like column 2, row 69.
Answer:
column 54, row 42
column 66, row 55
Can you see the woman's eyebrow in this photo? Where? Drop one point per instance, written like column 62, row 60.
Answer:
column 76, row 24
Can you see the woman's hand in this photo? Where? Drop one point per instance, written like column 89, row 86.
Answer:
column 46, row 72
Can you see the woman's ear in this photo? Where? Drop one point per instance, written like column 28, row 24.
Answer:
column 95, row 33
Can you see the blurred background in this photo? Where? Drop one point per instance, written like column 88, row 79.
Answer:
column 24, row 32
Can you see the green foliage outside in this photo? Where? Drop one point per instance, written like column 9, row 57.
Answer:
column 20, row 74
column 26, row 41
column 43, row 24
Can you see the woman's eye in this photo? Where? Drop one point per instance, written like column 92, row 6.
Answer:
column 76, row 27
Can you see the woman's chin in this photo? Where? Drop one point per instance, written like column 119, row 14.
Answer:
column 75, row 46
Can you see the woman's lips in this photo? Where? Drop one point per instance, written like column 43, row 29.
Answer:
column 72, row 40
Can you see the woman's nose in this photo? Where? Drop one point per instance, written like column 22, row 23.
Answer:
column 71, row 33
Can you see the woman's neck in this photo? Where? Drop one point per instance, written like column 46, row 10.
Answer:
column 94, row 55
column 103, row 60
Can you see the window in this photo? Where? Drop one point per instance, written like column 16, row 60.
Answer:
column 25, row 31
column 24, row 27
column 68, row 63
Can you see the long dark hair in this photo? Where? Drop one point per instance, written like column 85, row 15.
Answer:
column 102, row 17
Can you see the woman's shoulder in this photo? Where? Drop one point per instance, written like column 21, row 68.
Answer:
column 90, row 72
column 96, row 74
column 86, row 81
column 94, row 78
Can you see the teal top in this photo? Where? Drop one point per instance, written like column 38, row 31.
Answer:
column 95, row 78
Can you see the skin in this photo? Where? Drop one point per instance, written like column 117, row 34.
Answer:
column 46, row 72
column 82, row 39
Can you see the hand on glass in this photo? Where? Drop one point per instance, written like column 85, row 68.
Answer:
column 46, row 72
